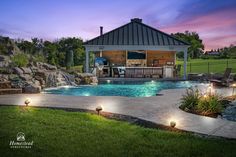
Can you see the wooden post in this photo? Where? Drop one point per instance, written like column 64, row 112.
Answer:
column 100, row 54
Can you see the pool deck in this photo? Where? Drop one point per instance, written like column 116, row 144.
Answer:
column 157, row 109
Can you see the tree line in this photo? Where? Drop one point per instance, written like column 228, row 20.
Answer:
column 64, row 52
column 68, row 52
column 196, row 49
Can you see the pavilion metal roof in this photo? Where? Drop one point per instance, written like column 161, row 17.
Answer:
column 135, row 33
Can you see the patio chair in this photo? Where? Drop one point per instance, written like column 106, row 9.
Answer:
column 225, row 80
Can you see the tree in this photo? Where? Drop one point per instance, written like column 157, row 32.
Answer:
column 25, row 46
column 196, row 45
column 231, row 51
column 51, row 50
column 69, row 59
column 6, row 45
column 74, row 44
column 37, row 45
column 79, row 56
column 63, row 52
column 180, row 54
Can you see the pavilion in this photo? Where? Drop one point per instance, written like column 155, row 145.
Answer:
column 136, row 46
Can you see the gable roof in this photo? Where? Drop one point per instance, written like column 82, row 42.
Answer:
column 135, row 33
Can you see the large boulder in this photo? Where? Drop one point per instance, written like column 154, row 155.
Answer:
column 17, row 71
column 5, row 70
column 32, row 88
column 94, row 80
column 41, row 79
column 4, row 61
column 77, row 80
column 40, row 74
column 18, row 83
column 46, row 66
column 13, row 77
column 34, row 68
column 49, row 67
column 2, row 58
column 26, row 77
column 85, row 78
column 26, row 70
column 83, row 75
column 3, row 77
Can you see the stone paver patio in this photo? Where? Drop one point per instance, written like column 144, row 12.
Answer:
column 158, row 109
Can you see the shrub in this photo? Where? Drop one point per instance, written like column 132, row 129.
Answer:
column 195, row 102
column 205, row 57
column 39, row 58
column 20, row 60
column 190, row 100
column 78, row 68
column 210, row 104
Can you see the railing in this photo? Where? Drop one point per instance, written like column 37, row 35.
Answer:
column 211, row 66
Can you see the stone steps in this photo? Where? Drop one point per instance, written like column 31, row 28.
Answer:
column 10, row 91
column 5, row 88
column 5, row 84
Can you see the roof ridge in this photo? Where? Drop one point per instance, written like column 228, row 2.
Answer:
column 163, row 34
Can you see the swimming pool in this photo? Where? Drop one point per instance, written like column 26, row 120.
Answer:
column 128, row 89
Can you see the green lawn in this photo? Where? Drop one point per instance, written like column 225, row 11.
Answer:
column 61, row 133
column 215, row 65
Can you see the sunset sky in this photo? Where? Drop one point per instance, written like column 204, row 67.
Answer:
column 214, row 20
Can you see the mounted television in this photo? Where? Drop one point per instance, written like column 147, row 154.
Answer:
column 136, row 55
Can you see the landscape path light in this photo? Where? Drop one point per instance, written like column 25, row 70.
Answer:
column 27, row 101
column 99, row 109
column 172, row 124
column 210, row 89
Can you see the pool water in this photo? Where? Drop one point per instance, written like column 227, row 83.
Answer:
column 128, row 89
